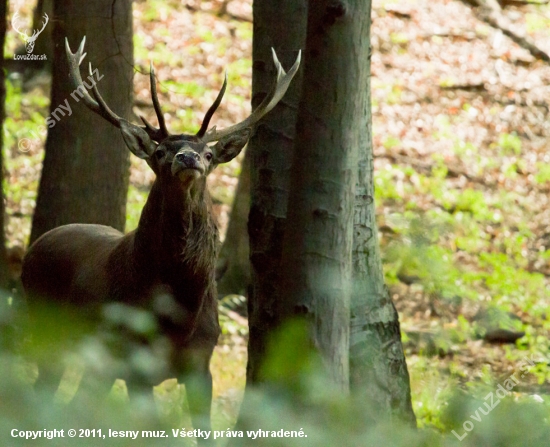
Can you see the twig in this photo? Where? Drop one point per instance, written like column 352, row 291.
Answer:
column 491, row 13
column 427, row 167
column 480, row 86
column 505, row 3
column 222, row 12
column 396, row 13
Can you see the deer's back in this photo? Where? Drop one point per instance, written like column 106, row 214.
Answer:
column 69, row 264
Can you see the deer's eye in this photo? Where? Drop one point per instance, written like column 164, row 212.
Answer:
column 159, row 154
column 208, row 156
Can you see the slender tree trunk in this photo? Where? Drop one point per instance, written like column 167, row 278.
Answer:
column 271, row 153
column 4, row 272
column 234, row 258
column 378, row 371
column 11, row 305
column 85, row 173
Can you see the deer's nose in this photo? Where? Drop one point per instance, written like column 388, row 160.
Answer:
column 188, row 158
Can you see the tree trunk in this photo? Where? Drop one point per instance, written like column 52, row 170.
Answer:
column 234, row 258
column 44, row 44
column 378, row 371
column 271, row 153
column 4, row 272
column 331, row 120
column 11, row 305
column 85, row 173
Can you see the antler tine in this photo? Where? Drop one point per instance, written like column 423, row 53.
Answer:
column 14, row 19
column 98, row 105
column 47, row 19
column 275, row 95
column 162, row 131
column 108, row 113
column 154, row 133
column 212, row 109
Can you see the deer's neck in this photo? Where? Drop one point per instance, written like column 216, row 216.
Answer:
column 176, row 240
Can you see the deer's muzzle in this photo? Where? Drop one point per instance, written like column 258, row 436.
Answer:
column 187, row 160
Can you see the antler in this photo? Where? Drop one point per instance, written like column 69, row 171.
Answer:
column 98, row 105
column 13, row 20
column 157, row 134
column 212, row 109
column 36, row 33
column 275, row 95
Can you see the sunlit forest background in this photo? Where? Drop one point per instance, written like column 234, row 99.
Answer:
column 462, row 176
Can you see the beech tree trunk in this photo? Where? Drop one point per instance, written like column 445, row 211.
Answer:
column 330, row 267
column 270, row 151
column 85, row 173
column 234, row 258
column 378, row 370
column 331, row 121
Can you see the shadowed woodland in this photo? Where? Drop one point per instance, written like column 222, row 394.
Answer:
column 460, row 99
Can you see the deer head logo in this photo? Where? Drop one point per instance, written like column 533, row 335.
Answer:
column 29, row 40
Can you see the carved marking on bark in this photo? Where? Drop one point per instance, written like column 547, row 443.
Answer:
column 334, row 11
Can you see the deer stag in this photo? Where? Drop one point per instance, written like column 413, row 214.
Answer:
column 171, row 253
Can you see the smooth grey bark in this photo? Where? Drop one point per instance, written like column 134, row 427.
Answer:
column 348, row 110
column 270, row 151
column 331, row 121
column 234, row 258
column 85, row 173
column 378, row 370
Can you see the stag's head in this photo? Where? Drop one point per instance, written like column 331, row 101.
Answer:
column 29, row 40
column 184, row 158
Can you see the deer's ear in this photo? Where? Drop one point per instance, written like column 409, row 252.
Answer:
column 227, row 148
column 137, row 140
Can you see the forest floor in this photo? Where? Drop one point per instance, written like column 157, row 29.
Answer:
column 462, row 169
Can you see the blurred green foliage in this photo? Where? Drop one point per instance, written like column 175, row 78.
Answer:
column 300, row 398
